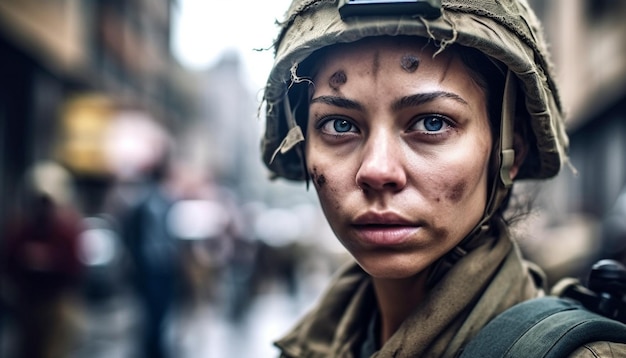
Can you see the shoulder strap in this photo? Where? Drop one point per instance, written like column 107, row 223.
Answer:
column 543, row 327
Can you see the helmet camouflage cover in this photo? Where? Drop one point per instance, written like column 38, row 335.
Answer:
column 507, row 31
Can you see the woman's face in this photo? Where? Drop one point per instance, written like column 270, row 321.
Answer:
column 398, row 146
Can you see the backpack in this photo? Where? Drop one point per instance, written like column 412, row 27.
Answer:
column 556, row 326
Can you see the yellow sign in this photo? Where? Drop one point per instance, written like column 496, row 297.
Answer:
column 85, row 120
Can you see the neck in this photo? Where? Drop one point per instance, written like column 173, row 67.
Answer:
column 397, row 298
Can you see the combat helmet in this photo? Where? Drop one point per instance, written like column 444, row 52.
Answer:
column 506, row 31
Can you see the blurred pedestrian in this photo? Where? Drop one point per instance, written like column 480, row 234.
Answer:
column 156, row 259
column 412, row 120
column 41, row 264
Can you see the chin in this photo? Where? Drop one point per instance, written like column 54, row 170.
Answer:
column 393, row 268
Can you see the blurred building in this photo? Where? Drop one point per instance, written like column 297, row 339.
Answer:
column 64, row 64
column 588, row 41
column 224, row 137
column 588, row 44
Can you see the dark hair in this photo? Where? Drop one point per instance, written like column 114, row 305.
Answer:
column 488, row 75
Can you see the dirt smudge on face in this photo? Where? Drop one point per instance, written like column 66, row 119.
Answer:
column 337, row 79
column 409, row 63
column 457, row 192
column 318, row 179
column 440, row 232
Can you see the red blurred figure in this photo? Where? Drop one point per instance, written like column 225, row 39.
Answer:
column 42, row 269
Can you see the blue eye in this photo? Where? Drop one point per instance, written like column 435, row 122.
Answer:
column 433, row 124
column 337, row 126
column 341, row 125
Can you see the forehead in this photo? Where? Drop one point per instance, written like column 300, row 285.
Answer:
column 416, row 57
column 400, row 48
column 401, row 63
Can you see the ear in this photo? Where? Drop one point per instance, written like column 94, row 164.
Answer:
column 521, row 150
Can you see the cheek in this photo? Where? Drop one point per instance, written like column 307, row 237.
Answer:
column 321, row 165
column 469, row 178
column 326, row 192
column 323, row 175
column 450, row 191
column 456, row 192
column 459, row 182
column 318, row 178
column 458, row 203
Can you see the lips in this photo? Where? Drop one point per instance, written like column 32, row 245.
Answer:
column 385, row 229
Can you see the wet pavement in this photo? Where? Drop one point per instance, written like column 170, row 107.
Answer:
column 111, row 328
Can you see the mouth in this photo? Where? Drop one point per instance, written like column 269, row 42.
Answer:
column 386, row 229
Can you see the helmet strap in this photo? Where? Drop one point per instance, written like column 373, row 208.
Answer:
column 507, row 153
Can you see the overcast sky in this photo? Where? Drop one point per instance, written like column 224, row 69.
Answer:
column 204, row 29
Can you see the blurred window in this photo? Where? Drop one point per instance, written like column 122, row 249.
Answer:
column 600, row 10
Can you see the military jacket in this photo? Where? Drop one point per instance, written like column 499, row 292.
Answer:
column 484, row 283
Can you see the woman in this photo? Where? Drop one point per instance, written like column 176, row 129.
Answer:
column 412, row 128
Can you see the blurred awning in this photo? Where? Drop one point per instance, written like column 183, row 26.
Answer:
column 103, row 139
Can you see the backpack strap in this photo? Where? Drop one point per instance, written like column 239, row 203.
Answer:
column 543, row 327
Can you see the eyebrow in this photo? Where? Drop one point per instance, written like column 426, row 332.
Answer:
column 422, row 98
column 404, row 102
column 338, row 102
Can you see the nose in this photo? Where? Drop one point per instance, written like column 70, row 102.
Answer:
column 381, row 165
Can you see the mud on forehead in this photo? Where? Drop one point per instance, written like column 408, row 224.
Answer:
column 408, row 62
column 339, row 77
column 412, row 52
column 419, row 48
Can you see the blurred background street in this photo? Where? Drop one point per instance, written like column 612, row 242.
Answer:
column 137, row 219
